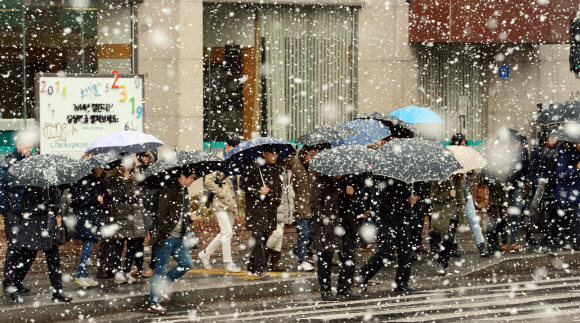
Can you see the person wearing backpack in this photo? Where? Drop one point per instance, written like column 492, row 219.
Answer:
column 12, row 221
column 168, row 237
column 225, row 206
column 87, row 199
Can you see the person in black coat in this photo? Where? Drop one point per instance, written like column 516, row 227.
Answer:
column 542, row 178
column 87, row 199
column 392, row 214
column 261, row 182
column 37, row 231
column 335, row 230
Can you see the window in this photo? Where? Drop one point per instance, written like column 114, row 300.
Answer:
column 55, row 36
column 276, row 70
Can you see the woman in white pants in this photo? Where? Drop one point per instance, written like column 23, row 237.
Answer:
column 224, row 206
column 285, row 211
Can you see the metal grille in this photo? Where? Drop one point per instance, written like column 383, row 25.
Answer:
column 453, row 82
column 308, row 68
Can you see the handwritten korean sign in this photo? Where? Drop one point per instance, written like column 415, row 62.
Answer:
column 74, row 110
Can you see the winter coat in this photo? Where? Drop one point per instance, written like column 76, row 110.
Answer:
column 543, row 165
column 173, row 205
column 87, row 209
column 443, row 204
column 302, row 185
column 286, row 208
column 568, row 174
column 225, row 199
column 39, row 209
column 331, row 211
column 391, row 207
column 8, row 192
column 519, row 168
column 361, row 202
column 124, row 206
column 261, row 209
column 150, row 195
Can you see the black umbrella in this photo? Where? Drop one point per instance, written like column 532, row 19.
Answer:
column 561, row 112
column 102, row 160
column 343, row 160
column 46, row 170
column 415, row 160
column 398, row 127
column 199, row 162
column 325, row 135
column 570, row 132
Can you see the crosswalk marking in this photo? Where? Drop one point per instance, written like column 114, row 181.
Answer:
column 500, row 301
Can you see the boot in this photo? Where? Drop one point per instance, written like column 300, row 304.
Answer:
column 455, row 252
column 276, row 255
column 482, row 250
column 60, row 296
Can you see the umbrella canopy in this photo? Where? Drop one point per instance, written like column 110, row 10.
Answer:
column 369, row 132
column 46, row 170
column 128, row 142
column 343, row 160
column 199, row 162
column 561, row 112
column 468, row 157
column 569, row 132
column 398, row 127
column 325, row 135
column 248, row 151
column 415, row 160
column 102, row 160
column 414, row 115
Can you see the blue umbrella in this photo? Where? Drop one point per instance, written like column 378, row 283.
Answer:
column 369, row 132
column 128, row 142
column 414, row 115
column 248, row 151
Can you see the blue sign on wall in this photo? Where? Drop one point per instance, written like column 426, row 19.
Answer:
column 504, row 72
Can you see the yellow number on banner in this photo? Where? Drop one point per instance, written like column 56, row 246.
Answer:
column 124, row 93
column 64, row 91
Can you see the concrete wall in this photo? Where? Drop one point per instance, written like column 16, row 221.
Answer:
column 170, row 39
column 387, row 70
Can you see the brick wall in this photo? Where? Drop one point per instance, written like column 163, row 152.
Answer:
column 205, row 230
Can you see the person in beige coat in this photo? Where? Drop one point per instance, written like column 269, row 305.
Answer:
column 224, row 206
column 284, row 216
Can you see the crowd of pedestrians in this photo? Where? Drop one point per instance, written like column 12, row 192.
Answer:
column 539, row 193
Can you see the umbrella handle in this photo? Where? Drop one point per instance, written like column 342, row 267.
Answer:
column 260, row 170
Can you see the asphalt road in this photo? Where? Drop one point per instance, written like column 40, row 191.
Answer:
column 555, row 298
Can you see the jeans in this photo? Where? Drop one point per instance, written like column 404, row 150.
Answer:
column 224, row 238
column 160, row 281
column 12, row 224
column 470, row 215
column 305, row 228
column 85, row 259
column 516, row 205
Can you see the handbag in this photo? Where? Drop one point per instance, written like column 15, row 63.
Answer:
column 64, row 232
column 480, row 193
